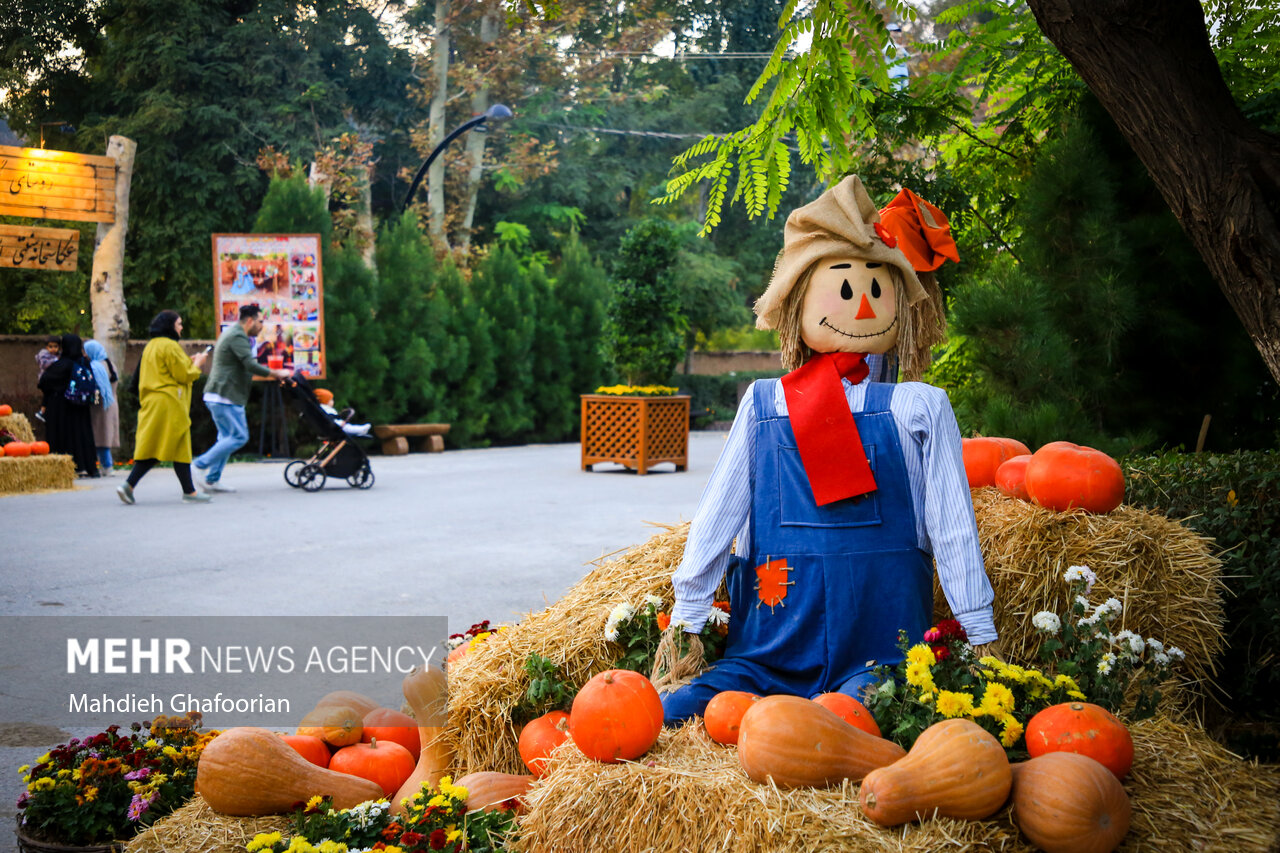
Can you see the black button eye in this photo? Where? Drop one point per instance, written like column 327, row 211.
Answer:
column 846, row 292
column 875, row 289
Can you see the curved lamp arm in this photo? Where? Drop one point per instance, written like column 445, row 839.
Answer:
column 497, row 112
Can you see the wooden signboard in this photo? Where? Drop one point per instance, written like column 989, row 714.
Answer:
column 282, row 275
column 39, row 248
column 40, row 184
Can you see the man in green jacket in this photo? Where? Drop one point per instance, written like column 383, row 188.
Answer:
column 226, row 394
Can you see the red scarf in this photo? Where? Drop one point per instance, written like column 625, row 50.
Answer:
column 825, row 431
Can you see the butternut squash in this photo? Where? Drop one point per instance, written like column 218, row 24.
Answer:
column 426, row 691
column 489, row 790
column 798, row 743
column 955, row 769
column 357, row 702
column 247, row 772
column 1065, row 802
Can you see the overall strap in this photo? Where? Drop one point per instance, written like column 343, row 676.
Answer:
column 879, row 396
column 763, row 393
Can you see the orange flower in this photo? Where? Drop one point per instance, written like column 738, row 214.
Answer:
column 722, row 605
column 664, row 620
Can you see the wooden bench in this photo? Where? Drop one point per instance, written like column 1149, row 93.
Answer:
column 395, row 437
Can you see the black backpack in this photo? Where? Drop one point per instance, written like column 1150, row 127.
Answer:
column 82, row 390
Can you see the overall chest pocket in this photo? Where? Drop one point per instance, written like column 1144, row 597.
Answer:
column 795, row 497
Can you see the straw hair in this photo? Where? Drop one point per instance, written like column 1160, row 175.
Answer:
column 196, row 828
column 24, row 474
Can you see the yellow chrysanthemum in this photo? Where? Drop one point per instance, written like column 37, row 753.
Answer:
column 997, row 700
column 456, row 792
column 1076, row 694
column 1065, row 681
column 298, row 844
column 921, row 654
column 24, row 768
column 44, row 783
column 454, row 835
column 952, row 704
column 91, row 793
column 331, row 846
column 918, row 674
column 314, row 802
column 437, row 802
column 1012, row 731
column 264, row 841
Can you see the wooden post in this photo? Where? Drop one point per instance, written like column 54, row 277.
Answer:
column 106, row 285
column 1204, row 432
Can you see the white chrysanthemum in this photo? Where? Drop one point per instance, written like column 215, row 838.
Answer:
column 1087, row 621
column 1106, row 663
column 1155, row 645
column 679, row 624
column 1161, row 659
column 611, row 632
column 1133, row 643
column 1083, row 602
column 718, row 617
column 1109, row 609
column 653, row 601
column 1176, row 653
column 1081, row 573
column 1047, row 622
column 622, row 612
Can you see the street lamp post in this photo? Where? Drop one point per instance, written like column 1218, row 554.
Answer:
column 497, row 112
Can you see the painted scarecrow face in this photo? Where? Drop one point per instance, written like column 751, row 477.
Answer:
column 851, row 306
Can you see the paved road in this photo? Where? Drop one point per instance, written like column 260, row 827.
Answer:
column 471, row 534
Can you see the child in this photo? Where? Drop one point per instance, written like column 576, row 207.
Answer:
column 325, row 397
column 45, row 357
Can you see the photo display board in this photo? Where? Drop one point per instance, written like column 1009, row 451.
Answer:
column 281, row 274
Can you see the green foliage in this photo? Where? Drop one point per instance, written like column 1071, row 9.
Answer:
column 548, row 689
column 709, row 297
column 551, row 396
column 1246, row 39
column 739, row 338
column 645, row 327
column 291, row 206
column 1235, row 500
column 465, row 358
column 718, row 395
column 406, row 273
column 504, row 294
column 581, row 290
column 357, row 340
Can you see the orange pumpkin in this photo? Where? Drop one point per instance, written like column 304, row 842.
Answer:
column 539, row 737
column 723, row 716
column 457, row 654
column 798, row 743
column 17, row 449
column 336, row 725
column 1011, row 477
column 1, row 450
column 1068, row 803
column 1062, row 475
column 5, row 410
column 983, row 455
column 850, row 710
column 391, row 726
column 1083, row 728
column 386, row 763
column 309, row 747
column 616, row 716
column 39, row 448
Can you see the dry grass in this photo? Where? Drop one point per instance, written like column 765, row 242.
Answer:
column 21, row 474
column 688, row 793
column 17, row 424
column 196, row 828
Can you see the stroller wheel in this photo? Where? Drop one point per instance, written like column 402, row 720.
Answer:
column 311, row 478
column 293, row 472
column 362, row 479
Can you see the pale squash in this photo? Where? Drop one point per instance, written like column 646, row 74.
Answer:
column 798, row 743
column 489, row 790
column 357, row 702
column 427, row 693
column 247, row 772
column 1065, row 802
column 955, row 769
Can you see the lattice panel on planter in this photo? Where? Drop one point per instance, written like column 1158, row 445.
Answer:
column 637, row 432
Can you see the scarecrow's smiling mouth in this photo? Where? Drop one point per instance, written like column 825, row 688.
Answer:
column 823, row 322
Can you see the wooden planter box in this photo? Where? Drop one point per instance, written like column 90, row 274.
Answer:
column 638, row 432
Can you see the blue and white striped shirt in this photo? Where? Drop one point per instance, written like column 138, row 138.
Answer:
column 945, row 525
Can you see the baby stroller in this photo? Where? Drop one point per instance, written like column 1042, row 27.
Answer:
column 339, row 454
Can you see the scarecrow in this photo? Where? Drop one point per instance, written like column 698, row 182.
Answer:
column 839, row 492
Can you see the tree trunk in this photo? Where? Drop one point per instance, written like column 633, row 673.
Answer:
column 476, row 139
column 106, row 284
column 1152, row 68
column 436, row 130
column 317, row 178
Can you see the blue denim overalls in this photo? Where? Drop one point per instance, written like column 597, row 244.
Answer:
column 821, row 599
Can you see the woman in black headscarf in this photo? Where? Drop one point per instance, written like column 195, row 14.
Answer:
column 67, row 424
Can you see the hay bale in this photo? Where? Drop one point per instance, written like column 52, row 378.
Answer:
column 18, row 425
column 1164, row 573
column 688, row 793
column 490, row 681
column 20, row 474
column 196, row 828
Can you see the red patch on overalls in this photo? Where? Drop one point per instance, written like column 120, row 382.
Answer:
column 771, row 582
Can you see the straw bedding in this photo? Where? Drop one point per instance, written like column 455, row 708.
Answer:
column 18, row 425
column 36, row 473
column 1188, row 793
column 196, row 828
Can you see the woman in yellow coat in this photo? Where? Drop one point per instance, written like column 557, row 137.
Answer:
column 165, row 377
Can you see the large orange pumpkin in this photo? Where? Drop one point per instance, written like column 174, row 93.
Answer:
column 1011, row 477
column 850, row 710
column 539, row 737
column 1084, row 728
column 1069, row 803
column 983, row 455
column 309, row 747
column 1062, row 475
column 17, row 449
column 392, row 726
column 723, row 715
column 616, row 716
column 383, row 762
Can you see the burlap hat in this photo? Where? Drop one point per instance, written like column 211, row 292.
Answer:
column 841, row 221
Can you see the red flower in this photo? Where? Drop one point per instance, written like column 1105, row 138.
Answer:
column 411, row 839
column 392, row 832
column 951, row 630
column 941, row 653
column 438, row 839
column 883, row 233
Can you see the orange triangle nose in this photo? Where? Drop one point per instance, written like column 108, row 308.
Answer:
column 864, row 310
